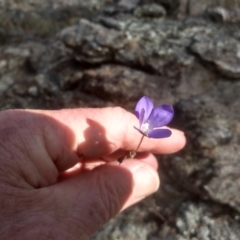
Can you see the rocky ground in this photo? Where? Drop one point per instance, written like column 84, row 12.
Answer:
column 81, row 53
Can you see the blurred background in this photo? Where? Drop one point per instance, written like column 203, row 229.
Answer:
column 87, row 53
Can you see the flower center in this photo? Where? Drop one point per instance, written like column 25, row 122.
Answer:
column 145, row 128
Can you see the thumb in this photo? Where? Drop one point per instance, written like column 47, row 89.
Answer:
column 91, row 198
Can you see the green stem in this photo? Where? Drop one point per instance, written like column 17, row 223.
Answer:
column 139, row 143
column 132, row 154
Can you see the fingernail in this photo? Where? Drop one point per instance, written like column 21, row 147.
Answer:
column 146, row 181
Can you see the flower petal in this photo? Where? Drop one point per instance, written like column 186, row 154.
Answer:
column 143, row 109
column 161, row 116
column 160, row 133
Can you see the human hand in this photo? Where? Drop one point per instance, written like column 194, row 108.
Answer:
column 45, row 195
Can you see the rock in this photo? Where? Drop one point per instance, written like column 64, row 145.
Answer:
column 224, row 187
column 13, row 58
column 150, row 11
column 196, row 221
column 122, row 84
column 170, row 6
column 43, row 18
column 91, row 43
column 45, row 58
column 137, row 230
column 195, row 8
column 33, row 91
column 214, row 142
column 131, row 46
column 215, row 132
column 128, row 5
column 223, row 53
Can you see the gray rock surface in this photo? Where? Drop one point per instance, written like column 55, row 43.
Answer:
column 107, row 53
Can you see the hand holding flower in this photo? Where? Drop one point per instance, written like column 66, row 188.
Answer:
column 59, row 177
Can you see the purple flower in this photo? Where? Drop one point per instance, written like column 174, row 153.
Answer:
column 152, row 118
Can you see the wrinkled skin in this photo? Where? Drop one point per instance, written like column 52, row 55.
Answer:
column 45, row 195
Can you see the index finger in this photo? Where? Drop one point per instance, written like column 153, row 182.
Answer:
column 100, row 132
